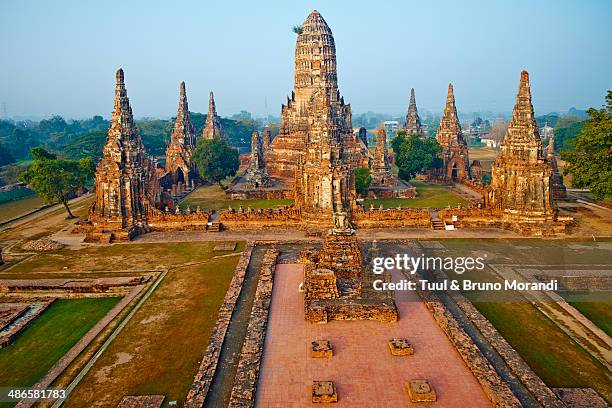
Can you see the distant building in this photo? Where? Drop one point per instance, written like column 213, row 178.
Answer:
column 546, row 132
column 391, row 126
column 491, row 143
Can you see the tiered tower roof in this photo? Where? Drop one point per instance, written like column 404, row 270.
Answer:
column 413, row 122
column 183, row 132
column 522, row 140
column 315, row 60
column 212, row 128
column 123, row 143
column 449, row 132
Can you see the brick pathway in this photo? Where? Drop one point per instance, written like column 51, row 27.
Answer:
column 365, row 373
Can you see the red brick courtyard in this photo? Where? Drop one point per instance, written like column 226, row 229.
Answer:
column 362, row 368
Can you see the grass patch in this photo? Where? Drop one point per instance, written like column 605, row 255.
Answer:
column 49, row 337
column 11, row 209
column 599, row 312
column 549, row 352
column 552, row 354
column 213, row 198
column 91, row 261
column 159, row 350
column 429, row 196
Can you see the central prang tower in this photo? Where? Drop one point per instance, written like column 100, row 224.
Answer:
column 314, row 151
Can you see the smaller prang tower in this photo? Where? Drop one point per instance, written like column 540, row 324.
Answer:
column 455, row 156
column 521, row 176
column 121, row 175
column 182, row 142
column 256, row 175
column 212, row 127
column 413, row 122
column 381, row 168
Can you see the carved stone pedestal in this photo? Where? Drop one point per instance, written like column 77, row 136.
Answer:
column 420, row 391
column 324, row 392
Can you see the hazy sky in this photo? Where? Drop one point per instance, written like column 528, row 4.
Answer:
column 60, row 57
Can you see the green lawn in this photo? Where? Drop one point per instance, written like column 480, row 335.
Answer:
column 49, row 337
column 594, row 306
column 428, row 196
column 159, row 350
column 549, row 352
column 14, row 208
column 213, row 198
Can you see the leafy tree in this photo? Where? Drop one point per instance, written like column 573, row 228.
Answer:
column 56, row 124
column 88, row 144
column 56, row 180
column 5, row 156
column 362, row 180
column 566, row 130
column 215, row 160
column 590, row 164
column 414, row 155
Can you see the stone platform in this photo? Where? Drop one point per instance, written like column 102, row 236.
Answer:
column 362, row 369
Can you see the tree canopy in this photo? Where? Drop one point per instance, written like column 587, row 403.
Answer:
column 362, row 180
column 590, row 163
column 414, row 155
column 57, row 180
column 215, row 160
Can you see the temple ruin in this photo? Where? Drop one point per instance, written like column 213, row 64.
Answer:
column 129, row 194
column 413, row 122
column 181, row 171
column 385, row 184
column 558, row 188
column 455, row 157
column 121, row 178
column 256, row 175
column 521, row 183
column 314, row 112
column 212, row 128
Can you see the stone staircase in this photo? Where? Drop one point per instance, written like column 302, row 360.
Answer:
column 436, row 223
column 215, row 226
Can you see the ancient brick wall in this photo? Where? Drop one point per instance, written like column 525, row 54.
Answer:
column 208, row 366
column 245, row 383
column 391, row 218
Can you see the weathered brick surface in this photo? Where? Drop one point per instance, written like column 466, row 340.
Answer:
column 208, row 366
column 494, row 387
column 515, row 362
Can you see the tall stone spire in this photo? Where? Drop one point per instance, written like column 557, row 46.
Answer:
column 183, row 132
column 454, row 148
column 316, row 131
column 121, row 173
column 182, row 142
column 212, row 128
column 315, row 150
column 315, row 60
column 449, row 131
column 522, row 139
column 521, row 177
column 381, row 168
column 413, row 122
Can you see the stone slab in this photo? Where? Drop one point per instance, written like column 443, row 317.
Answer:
column 324, row 392
column 420, row 391
column 321, row 349
column 400, row 347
